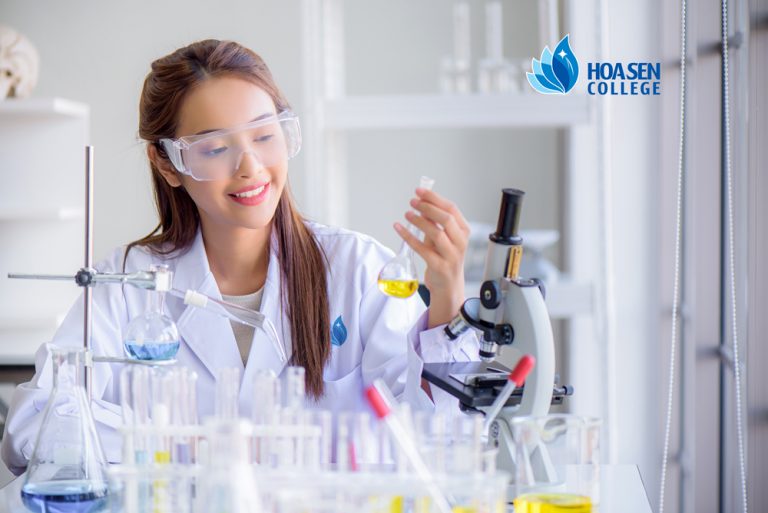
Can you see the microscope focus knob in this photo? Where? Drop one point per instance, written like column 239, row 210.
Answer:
column 490, row 294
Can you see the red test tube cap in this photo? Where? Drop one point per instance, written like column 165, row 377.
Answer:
column 377, row 402
column 522, row 369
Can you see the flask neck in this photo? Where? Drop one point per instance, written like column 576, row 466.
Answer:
column 155, row 302
column 68, row 367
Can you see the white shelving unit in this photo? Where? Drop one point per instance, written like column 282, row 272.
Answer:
column 331, row 116
column 456, row 111
column 42, row 144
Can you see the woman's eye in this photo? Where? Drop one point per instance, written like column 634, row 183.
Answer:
column 263, row 138
column 214, row 151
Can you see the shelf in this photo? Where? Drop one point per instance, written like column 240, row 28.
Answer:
column 43, row 107
column 21, row 337
column 41, row 214
column 457, row 111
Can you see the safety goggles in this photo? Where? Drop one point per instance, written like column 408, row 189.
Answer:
column 217, row 155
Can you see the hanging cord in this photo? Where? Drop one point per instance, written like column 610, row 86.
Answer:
column 676, row 280
column 731, row 265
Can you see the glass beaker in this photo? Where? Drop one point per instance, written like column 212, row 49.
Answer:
column 152, row 335
column 230, row 482
column 557, row 463
column 67, row 472
column 398, row 278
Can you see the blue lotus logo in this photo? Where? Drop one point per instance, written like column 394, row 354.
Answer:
column 557, row 72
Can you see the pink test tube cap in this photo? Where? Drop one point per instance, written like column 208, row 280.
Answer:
column 522, row 369
column 377, row 402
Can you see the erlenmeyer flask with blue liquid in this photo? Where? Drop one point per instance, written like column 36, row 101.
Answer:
column 67, row 471
column 152, row 335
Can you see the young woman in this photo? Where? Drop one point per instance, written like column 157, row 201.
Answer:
column 219, row 136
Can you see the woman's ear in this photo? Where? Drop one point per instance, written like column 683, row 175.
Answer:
column 164, row 166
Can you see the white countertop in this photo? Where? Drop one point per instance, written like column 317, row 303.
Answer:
column 621, row 491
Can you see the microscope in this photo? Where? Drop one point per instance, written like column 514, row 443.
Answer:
column 510, row 312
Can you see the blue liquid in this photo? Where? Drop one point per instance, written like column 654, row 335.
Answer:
column 152, row 350
column 65, row 497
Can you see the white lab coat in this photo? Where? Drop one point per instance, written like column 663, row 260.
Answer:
column 386, row 338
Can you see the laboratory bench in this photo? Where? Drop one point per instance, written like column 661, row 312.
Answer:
column 621, row 491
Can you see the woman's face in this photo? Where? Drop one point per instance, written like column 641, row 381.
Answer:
column 237, row 201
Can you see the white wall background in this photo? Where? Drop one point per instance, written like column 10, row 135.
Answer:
column 100, row 52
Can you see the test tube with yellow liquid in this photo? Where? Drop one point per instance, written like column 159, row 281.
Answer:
column 398, row 277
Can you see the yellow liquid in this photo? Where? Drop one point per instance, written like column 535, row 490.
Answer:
column 399, row 288
column 552, row 503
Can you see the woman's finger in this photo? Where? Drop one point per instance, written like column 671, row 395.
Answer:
column 421, row 249
column 432, row 232
column 443, row 218
column 442, row 203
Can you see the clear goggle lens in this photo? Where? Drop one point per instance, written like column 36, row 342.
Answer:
column 219, row 154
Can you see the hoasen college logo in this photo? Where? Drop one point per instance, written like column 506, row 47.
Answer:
column 555, row 73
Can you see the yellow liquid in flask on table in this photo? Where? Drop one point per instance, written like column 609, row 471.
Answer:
column 399, row 288
column 552, row 503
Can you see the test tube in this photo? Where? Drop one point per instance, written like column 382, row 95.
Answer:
column 162, row 382
column 266, row 413
column 291, row 447
column 466, row 444
column 294, row 387
column 405, row 440
column 227, row 393
column 184, row 414
column 324, row 420
column 139, row 396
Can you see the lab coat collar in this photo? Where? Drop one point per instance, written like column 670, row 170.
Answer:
column 210, row 337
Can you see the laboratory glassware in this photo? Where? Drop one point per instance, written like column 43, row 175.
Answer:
column 455, row 69
column 398, row 278
column 557, row 462
column 230, row 483
column 495, row 73
column 227, row 393
column 152, row 335
column 406, row 443
column 233, row 312
column 67, row 471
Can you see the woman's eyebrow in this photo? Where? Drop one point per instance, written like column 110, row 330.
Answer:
column 257, row 118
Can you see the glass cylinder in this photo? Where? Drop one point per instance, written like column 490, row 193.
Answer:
column 67, row 471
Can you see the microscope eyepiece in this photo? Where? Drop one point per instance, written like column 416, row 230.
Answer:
column 509, row 218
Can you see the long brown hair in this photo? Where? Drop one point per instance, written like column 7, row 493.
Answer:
column 303, row 269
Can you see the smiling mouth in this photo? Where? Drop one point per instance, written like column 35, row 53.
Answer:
column 250, row 194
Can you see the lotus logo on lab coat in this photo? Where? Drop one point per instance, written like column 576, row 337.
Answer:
column 556, row 72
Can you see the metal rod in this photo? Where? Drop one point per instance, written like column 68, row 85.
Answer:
column 88, row 292
column 722, row 477
column 52, row 277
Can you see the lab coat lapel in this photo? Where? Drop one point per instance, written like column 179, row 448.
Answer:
column 263, row 354
column 208, row 335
